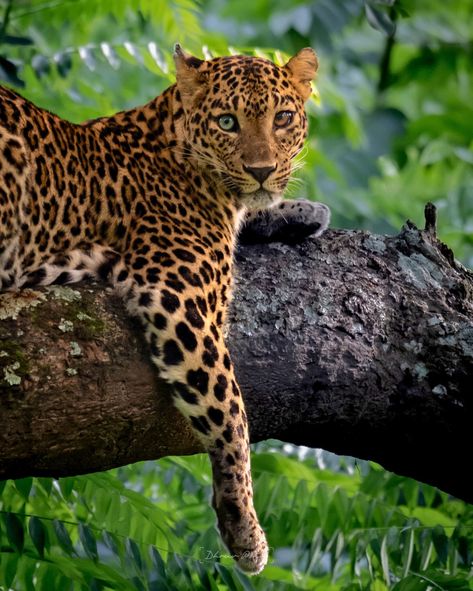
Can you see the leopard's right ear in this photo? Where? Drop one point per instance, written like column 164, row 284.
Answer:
column 191, row 77
column 302, row 69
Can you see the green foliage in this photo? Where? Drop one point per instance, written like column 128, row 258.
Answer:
column 390, row 130
column 74, row 56
column 150, row 526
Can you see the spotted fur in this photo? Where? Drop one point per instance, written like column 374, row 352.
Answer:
column 150, row 199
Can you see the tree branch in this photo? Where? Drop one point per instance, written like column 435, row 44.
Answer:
column 357, row 343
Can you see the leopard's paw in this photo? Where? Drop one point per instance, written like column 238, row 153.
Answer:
column 252, row 561
column 248, row 546
column 289, row 221
column 242, row 534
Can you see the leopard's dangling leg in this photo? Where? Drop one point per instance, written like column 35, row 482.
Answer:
column 188, row 348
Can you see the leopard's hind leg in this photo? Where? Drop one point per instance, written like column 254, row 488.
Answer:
column 16, row 270
column 86, row 261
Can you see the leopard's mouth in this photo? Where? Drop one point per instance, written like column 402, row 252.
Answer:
column 259, row 199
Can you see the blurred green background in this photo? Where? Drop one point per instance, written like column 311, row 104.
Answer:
column 390, row 129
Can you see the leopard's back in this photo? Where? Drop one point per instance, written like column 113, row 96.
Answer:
column 80, row 187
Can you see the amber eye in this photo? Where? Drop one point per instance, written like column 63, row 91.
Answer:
column 283, row 118
column 228, row 123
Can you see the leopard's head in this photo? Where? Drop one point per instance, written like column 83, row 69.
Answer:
column 245, row 120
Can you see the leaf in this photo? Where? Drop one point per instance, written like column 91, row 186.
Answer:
column 88, row 541
column 341, row 505
column 133, row 553
column 158, row 57
column 455, row 126
column 244, row 581
column 411, row 583
column 322, row 500
column 464, row 154
column 46, row 484
column 40, row 65
column 434, row 151
column 226, row 576
column 9, row 569
column 38, row 534
column 28, row 575
column 379, row 20
column 207, row 582
column 441, row 543
column 137, row 584
column 95, row 585
column 407, row 551
column 87, row 56
column 426, row 550
column 385, row 560
column 82, row 570
column 158, row 562
column 134, row 51
column 411, row 492
column 23, row 486
column 15, row 531
column 279, row 493
column 464, row 547
column 63, row 537
column 110, row 55
column 315, row 549
column 66, row 485
column 63, row 63
column 432, row 517
column 111, row 541
column 17, row 40
column 297, row 470
column 182, row 566
column 9, row 72
column 378, row 585
column 447, row 582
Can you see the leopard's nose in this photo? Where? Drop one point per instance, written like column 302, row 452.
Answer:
column 259, row 173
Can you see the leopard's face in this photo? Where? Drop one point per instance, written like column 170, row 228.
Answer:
column 245, row 121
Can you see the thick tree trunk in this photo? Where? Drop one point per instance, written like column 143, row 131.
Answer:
column 357, row 343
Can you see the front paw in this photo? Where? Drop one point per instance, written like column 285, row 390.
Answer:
column 289, row 222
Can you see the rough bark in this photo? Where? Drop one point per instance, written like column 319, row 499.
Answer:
column 357, row 343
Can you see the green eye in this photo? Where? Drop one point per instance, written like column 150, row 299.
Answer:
column 283, row 118
column 228, row 123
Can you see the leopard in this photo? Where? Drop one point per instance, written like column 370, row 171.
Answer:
column 151, row 200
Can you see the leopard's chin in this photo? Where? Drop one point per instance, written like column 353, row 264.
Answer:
column 260, row 199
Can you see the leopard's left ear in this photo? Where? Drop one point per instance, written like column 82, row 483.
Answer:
column 302, row 69
column 190, row 78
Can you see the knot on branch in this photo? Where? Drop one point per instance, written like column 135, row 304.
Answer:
column 430, row 214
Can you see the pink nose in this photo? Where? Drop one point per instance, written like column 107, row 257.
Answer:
column 260, row 173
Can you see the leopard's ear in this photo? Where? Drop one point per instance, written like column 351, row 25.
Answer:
column 302, row 69
column 190, row 78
